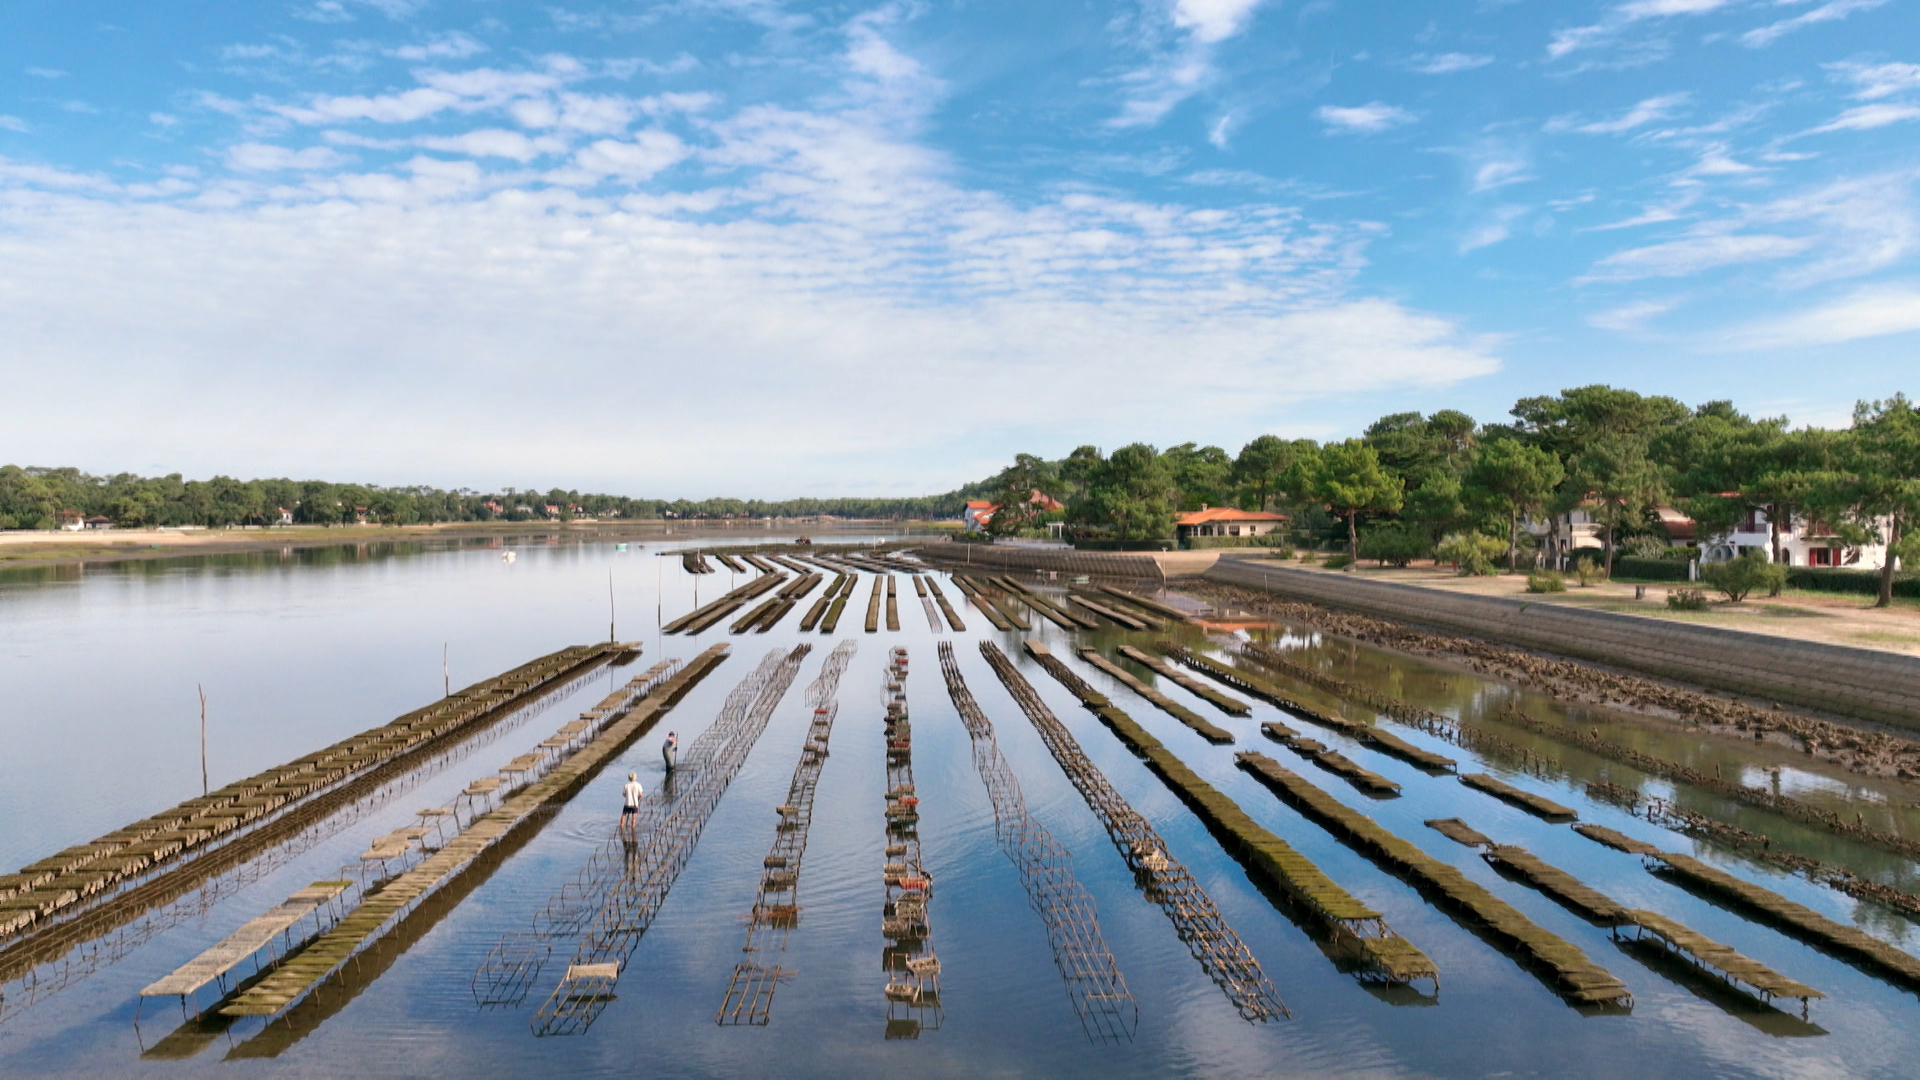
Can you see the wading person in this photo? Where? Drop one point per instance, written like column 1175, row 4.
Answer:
column 670, row 749
column 630, row 811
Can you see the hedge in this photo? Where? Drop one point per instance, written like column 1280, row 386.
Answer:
column 1649, row 569
column 1269, row 540
column 1842, row 580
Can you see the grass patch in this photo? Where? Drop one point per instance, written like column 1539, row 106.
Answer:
column 1784, row 611
column 1886, row 637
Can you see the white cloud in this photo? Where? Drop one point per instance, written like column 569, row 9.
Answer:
column 14, row 123
column 1878, row 80
column 1363, row 119
column 45, row 72
column 1642, row 114
column 1847, row 228
column 1621, row 17
column 633, row 161
column 1496, row 227
column 1183, row 66
column 453, row 46
column 801, row 251
column 1876, row 311
column 324, row 11
column 265, row 157
column 1631, row 318
column 1448, row 63
column 399, row 108
column 1217, row 134
column 492, row 142
column 1829, row 12
column 1680, row 258
column 1211, row 21
column 1497, row 166
column 1868, row 117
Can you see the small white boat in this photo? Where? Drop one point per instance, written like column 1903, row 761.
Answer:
column 508, row 556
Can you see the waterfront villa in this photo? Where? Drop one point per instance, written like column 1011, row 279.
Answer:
column 1227, row 521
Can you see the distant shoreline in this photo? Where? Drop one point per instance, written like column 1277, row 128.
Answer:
column 41, row 548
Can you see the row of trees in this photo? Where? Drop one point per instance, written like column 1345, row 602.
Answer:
column 1412, row 481
column 38, row 498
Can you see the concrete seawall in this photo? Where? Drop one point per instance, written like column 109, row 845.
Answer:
column 1851, row 682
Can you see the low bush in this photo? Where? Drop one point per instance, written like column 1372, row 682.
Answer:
column 1393, row 545
column 1686, row 600
column 1546, row 581
column 1472, row 553
column 1338, row 562
column 1586, row 572
column 1644, row 547
column 1308, row 555
column 1737, row 578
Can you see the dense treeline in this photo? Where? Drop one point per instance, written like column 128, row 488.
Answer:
column 1443, row 484
column 43, row 498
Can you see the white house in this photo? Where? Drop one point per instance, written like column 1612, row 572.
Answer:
column 1802, row 542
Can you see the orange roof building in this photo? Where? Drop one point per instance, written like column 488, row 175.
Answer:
column 1227, row 521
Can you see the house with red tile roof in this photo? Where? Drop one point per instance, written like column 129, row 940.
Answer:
column 1227, row 521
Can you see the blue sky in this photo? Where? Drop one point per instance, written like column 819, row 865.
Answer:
column 759, row 248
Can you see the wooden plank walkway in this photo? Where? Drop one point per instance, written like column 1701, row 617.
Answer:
column 1573, row 975
column 1114, row 614
column 1802, row 921
column 1154, row 606
column 265, row 805
column 1209, row 731
column 1538, row 805
column 292, row 980
column 1374, row 737
column 252, row 936
column 1226, row 703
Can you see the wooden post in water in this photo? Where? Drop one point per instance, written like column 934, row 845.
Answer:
column 203, row 738
column 610, row 635
column 446, row 676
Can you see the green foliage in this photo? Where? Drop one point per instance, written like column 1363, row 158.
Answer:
column 1586, row 572
column 1736, row 578
column 1261, row 467
column 1348, row 479
column 1839, row 579
column 1472, row 553
column 1513, row 480
column 1338, row 561
column 1629, row 566
column 1203, row 475
column 1015, row 494
column 1132, row 493
column 32, row 498
column 1546, row 581
column 1687, row 600
column 1646, row 547
column 1394, row 545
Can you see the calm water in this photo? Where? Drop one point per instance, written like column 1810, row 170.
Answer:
column 99, row 720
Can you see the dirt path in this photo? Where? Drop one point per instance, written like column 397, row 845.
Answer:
column 1831, row 618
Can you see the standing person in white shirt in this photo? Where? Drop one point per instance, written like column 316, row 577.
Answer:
column 630, row 812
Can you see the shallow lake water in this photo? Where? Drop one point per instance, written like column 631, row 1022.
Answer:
column 99, row 719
